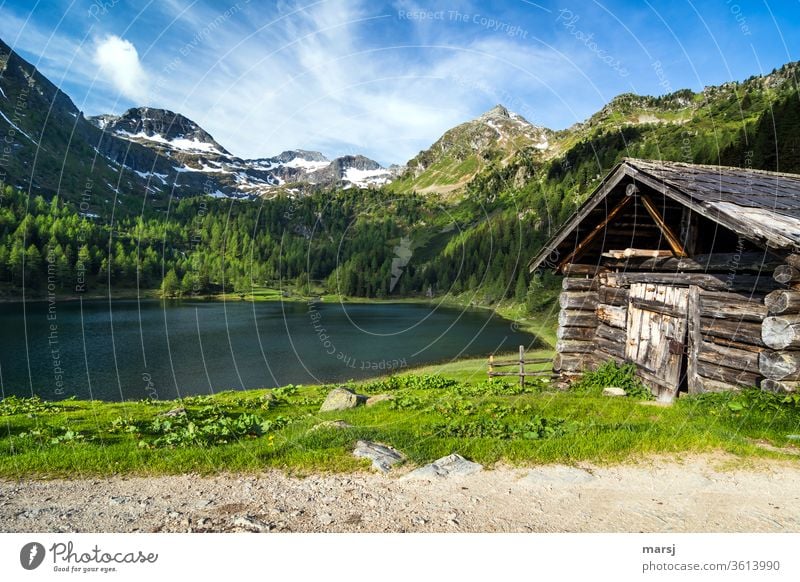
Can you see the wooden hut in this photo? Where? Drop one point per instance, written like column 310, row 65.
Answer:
column 690, row 272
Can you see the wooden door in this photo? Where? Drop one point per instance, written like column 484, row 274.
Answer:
column 656, row 335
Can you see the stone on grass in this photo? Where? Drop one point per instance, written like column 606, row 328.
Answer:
column 179, row 411
column 450, row 466
column 373, row 400
column 614, row 391
column 382, row 456
column 341, row 399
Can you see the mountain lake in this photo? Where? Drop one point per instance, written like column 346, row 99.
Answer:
column 129, row 349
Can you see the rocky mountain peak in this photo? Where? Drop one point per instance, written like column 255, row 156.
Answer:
column 498, row 111
column 307, row 155
column 167, row 128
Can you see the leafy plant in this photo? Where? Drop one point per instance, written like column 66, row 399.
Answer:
column 45, row 435
column 11, row 405
column 537, row 427
column 210, row 425
column 612, row 374
column 407, row 402
column 123, row 425
column 410, row 382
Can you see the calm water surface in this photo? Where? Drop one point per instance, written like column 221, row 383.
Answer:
column 166, row 349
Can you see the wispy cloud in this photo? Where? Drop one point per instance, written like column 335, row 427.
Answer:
column 324, row 78
column 345, row 76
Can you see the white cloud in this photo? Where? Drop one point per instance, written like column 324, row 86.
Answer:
column 119, row 64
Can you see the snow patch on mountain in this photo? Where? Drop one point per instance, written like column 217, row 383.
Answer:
column 190, row 145
column 309, row 165
column 16, row 127
column 365, row 178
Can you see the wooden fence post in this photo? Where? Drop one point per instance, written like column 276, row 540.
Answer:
column 491, row 365
column 522, row 367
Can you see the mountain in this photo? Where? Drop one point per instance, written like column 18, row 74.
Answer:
column 464, row 151
column 195, row 151
column 163, row 130
column 145, row 154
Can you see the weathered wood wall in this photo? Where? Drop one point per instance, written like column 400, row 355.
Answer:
column 744, row 330
column 577, row 324
column 724, row 340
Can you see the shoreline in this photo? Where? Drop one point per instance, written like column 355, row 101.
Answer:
column 509, row 312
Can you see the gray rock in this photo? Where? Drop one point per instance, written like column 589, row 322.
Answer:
column 341, row 399
column 614, row 391
column 557, row 474
column 180, row 410
column 330, row 424
column 373, row 400
column 382, row 456
column 251, row 524
column 450, row 466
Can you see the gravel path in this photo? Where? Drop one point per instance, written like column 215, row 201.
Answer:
column 696, row 494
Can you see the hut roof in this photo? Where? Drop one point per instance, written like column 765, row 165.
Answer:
column 761, row 206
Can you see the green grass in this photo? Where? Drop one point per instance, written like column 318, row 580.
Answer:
column 437, row 410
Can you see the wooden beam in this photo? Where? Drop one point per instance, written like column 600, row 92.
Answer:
column 720, row 282
column 779, row 387
column 612, row 315
column 573, row 269
column 585, row 300
column 688, row 231
column 783, row 301
column 575, row 284
column 727, row 262
column 576, row 333
column 759, row 237
column 576, row 318
column 781, row 332
column 780, row 365
column 581, row 246
column 629, row 253
column 695, row 340
column 731, row 308
column 786, row 274
column 672, row 239
column 549, row 254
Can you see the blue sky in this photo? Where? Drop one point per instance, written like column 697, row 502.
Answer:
column 387, row 78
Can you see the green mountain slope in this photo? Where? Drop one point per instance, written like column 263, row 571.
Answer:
column 490, row 140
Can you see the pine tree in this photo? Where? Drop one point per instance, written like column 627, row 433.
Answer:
column 170, row 285
column 522, row 288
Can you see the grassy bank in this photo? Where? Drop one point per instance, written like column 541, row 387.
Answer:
column 435, row 411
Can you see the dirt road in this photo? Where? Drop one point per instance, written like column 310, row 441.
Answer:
column 710, row 493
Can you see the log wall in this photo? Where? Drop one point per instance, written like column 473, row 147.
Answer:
column 577, row 325
column 744, row 330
